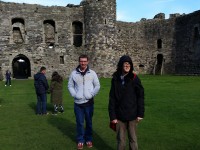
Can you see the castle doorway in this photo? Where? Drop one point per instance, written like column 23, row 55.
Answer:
column 21, row 67
column 159, row 65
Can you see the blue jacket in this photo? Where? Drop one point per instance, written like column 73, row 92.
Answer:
column 8, row 75
column 40, row 83
column 83, row 87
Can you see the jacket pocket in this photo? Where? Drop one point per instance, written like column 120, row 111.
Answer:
column 79, row 95
column 87, row 94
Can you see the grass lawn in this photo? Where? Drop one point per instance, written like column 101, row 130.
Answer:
column 172, row 117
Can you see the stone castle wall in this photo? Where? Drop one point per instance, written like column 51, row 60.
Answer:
column 139, row 40
column 55, row 36
column 187, row 45
column 34, row 47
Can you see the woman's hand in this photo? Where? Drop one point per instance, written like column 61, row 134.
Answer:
column 138, row 119
column 114, row 121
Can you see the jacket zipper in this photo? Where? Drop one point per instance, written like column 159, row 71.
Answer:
column 83, row 85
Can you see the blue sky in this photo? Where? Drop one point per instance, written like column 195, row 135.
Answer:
column 133, row 10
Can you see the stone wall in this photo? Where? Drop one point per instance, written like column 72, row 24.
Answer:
column 55, row 36
column 100, row 35
column 188, row 44
column 34, row 46
column 139, row 40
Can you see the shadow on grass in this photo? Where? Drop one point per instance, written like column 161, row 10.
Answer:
column 32, row 105
column 99, row 143
column 68, row 128
column 1, row 100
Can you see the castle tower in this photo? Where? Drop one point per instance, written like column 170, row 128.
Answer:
column 100, row 33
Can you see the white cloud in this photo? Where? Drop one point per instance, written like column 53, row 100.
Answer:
column 122, row 16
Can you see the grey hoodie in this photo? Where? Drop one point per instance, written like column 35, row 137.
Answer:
column 83, row 87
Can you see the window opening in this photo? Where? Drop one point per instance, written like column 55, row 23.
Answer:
column 61, row 59
column 159, row 43
column 77, row 27
column 49, row 31
column 18, row 30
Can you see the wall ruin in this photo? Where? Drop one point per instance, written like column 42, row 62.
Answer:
column 32, row 36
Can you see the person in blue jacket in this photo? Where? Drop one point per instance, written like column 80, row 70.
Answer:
column 83, row 85
column 126, row 103
column 41, row 88
column 8, row 78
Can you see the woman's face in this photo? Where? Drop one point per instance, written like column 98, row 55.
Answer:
column 126, row 67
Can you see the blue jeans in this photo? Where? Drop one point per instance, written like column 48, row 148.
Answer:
column 82, row 113
column 41, row 104
column 8, row 81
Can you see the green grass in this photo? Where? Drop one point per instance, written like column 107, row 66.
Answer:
column 172, row 117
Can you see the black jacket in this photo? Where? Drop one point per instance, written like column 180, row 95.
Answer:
column 40, row 83
column 126, row 101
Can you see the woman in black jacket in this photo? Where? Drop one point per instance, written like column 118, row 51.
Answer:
column 56, row 90
column 126, row 103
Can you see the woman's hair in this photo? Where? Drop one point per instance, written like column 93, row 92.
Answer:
column 56, row 77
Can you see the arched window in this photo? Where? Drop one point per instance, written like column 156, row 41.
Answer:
column 49, row 32
column 77, row 28
column 17, row 20
column 159, row 43
column 61, row 59
column 18, row 30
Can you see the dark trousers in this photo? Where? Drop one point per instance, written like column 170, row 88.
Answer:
column 41, row 104
column 8, row 81
column 122, row 128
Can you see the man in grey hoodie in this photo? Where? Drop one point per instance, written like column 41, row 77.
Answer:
column 83, row 85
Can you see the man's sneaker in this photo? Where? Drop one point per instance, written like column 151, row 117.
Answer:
column 54, row 113
column 80, row 146
column 89, row 144
column 45, row 113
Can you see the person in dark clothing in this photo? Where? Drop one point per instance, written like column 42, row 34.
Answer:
column 41, row 87
column 126, row 103
column 8, row 78
column 56, row 90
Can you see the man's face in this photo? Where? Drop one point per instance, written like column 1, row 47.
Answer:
column 126, row 67
column 44, row 71
column 83, row 62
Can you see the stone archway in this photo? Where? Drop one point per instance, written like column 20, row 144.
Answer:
column 21, row 67
column 159, row 65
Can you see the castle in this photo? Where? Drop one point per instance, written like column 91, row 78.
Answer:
column 32, row 36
